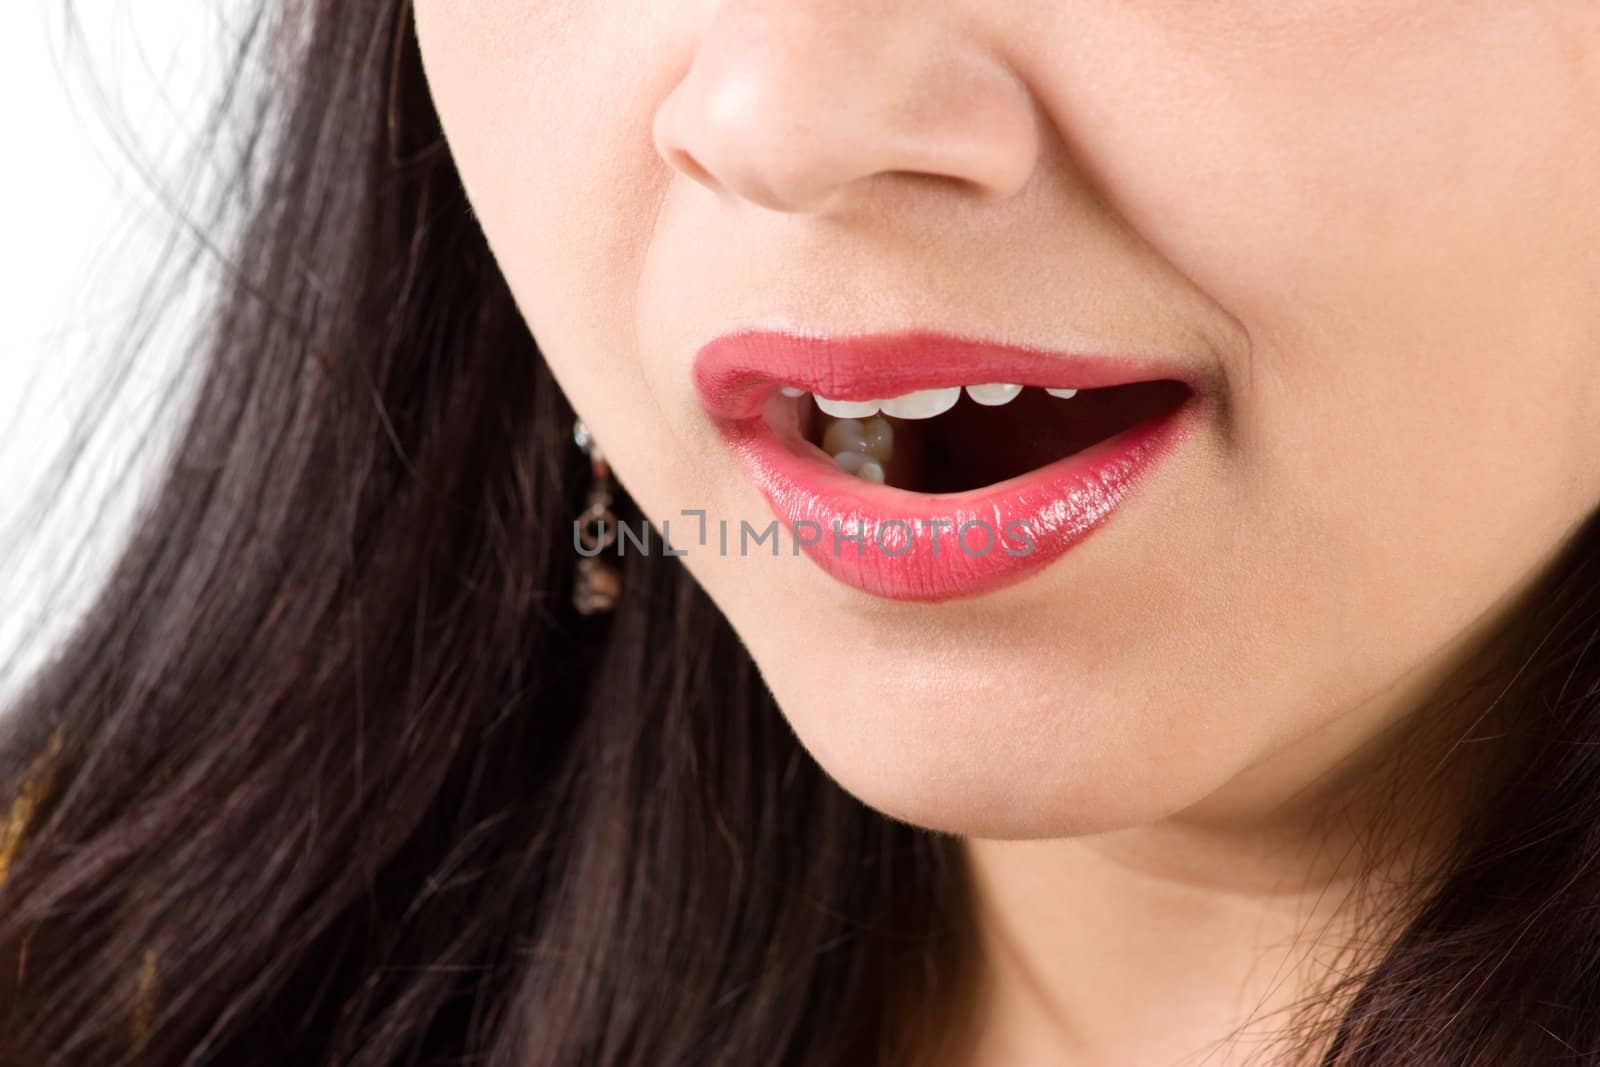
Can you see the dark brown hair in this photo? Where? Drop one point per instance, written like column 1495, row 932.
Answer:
column 333, row 774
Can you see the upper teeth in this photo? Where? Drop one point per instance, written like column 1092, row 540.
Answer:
column 924, row 403
column 995, row 394
column 848, row 409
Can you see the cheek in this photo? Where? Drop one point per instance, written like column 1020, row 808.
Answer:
column 550, row 132
column 1395, row 200
column 1369, row 149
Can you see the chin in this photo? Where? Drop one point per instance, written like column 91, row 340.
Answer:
column 996, row 764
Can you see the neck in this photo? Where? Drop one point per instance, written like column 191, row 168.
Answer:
column 1135, row 948
column 1220, row 934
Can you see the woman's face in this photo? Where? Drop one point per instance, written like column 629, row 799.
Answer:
column 1365, row 234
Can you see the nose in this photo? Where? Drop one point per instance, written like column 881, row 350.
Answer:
column 795, row 104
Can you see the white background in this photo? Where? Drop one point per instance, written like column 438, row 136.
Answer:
column 94, row 122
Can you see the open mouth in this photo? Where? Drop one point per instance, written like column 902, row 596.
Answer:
column 902, row 466
column 958, row 439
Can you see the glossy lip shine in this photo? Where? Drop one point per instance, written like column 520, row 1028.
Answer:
column 904, row 545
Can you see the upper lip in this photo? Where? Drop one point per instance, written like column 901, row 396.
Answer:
column 735, row 372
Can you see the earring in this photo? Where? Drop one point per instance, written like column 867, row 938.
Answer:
column 598, row 583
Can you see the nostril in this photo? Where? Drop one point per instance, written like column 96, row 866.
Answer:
column 682, row 160
column 672, row 147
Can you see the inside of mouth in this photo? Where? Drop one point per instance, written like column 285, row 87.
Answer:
column 971, row 445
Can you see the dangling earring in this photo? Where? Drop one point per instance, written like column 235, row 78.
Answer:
column 598, row 583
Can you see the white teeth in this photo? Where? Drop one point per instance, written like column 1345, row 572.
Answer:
column 861, row 447
column 847, row 409
column 922, row 404
column 993, row 394
column 864, row 467
column 873, row 438
column 792, row 391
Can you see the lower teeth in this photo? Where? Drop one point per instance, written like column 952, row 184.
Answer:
column 861, row 447
column 861, row 465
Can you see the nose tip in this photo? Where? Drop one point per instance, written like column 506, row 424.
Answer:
column 790, row 109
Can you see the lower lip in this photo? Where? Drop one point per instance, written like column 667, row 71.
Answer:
column 927, row 547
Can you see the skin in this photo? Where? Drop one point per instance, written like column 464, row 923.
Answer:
column 1371, row 223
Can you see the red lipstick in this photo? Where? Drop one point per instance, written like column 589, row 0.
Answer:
column 915, row 546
